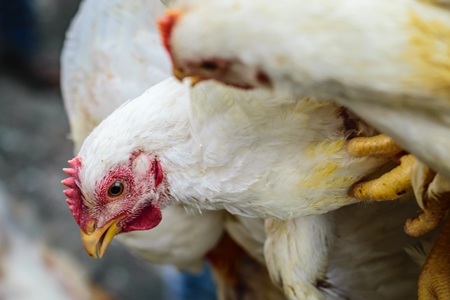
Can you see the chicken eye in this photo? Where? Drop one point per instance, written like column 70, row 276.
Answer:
column 116, row 189
column 209, row 66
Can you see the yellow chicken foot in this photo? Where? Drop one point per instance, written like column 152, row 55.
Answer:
column 389, row 186
column 434, row 210
column 434, row 280
column 379, row 145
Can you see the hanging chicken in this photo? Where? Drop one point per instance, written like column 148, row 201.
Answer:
column 149, row 154
column 246, row 168
column 388, row 62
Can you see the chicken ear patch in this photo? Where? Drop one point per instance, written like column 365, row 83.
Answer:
column 145, row 166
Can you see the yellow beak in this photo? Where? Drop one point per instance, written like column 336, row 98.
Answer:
column 98, row 241
column 180, row 75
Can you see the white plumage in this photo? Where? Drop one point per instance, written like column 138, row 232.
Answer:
column 112, row 53
column 252, row 153
column 387, row 61
column 233, row 169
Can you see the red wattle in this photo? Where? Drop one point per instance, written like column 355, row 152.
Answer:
column 147, row 218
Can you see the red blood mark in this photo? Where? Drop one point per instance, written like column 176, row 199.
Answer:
column 165, row 26
column 158, row 172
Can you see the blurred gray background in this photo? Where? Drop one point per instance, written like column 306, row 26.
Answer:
column 34, row 146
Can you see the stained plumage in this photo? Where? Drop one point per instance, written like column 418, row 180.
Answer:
column 387, row 62
column 254, row 154
column 196, row 169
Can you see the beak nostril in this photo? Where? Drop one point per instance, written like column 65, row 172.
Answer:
column 90, row 226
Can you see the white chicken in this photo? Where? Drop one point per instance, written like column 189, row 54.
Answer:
column 243, row 169
column 249, row 163
column 112, row 53
column 388, row 62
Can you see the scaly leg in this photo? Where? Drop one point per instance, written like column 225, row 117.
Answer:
column 389, row 186
column 433, row 195
column 430, row 217
column 435, row 205
column 434, row 280
column 378, row 145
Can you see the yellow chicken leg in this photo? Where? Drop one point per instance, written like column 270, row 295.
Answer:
column 434, row 199
column 429, row 218
column 390, row 185
column 434, row 280
column 433, row 196
column 379, row 145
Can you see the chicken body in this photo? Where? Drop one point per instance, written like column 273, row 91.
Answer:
column 254, row 154
column 354, row 269
column 253, row 158
column 387, row 62
column 222, row 148
column 112, row 53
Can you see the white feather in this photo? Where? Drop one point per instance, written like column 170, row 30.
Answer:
column 387, row 61
column 112, row 53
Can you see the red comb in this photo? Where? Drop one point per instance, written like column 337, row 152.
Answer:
column 73, row 193
column 165, row 26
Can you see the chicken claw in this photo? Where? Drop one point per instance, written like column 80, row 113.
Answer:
column 429, row 218
column 434, row 280
column 389, row 186
column 432, row 192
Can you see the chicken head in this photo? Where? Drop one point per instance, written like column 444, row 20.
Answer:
column 122, row 199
